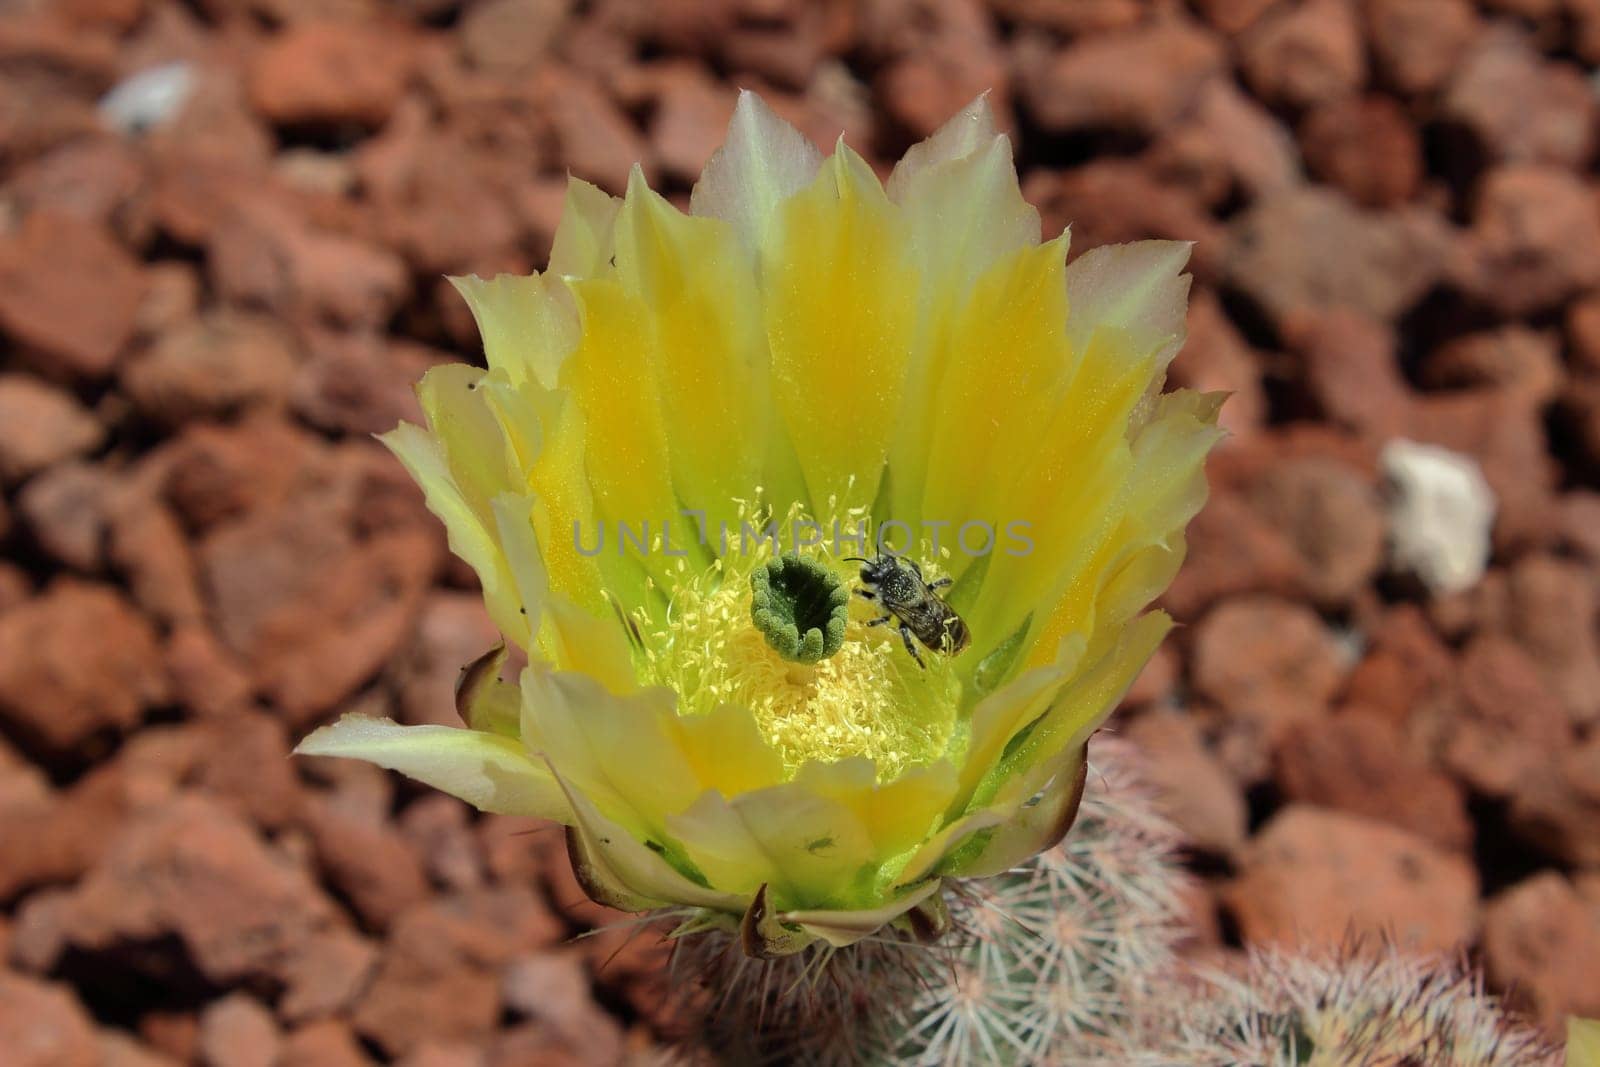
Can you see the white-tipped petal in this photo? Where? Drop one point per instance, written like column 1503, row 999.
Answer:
column 763, row 162
column 491, row 772
column 970, row 129
column 1138, row 287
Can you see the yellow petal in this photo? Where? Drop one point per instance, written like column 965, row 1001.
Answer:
column 1086, row 701
column 528, row 324
column 763, row 162
column 1583, row 1042
column 810, row 851
column 840, row 310
column 1008, row 368
column 584, row 237
column 626, row 861
column 999, row 716
column 705, row 344
column 625, row 438
column 896, row 814
column 964, row 212
column 488, row 771
column 470, row 537
column 616, row 749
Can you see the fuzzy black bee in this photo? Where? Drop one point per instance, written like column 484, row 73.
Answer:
column 895, row 584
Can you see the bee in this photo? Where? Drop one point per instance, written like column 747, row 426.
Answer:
column 896, row 585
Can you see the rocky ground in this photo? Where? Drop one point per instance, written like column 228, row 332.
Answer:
column 207, row 312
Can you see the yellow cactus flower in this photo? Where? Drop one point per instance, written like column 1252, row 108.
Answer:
column 700, row 435
column 1583, row 1042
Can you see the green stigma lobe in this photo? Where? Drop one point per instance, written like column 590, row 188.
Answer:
column 801, row 608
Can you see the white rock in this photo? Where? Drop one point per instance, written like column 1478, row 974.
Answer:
column 147, row 98
column 1440, row 514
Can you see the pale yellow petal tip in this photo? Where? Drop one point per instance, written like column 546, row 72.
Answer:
column 763, row 161
column 1583, row 1042
column 341, row 738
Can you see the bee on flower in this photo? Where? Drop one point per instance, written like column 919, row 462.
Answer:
column 721, row 722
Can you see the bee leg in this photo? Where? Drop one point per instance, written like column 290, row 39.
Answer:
column 866, row 594
column 905, row 635
column 941, row 583
column 880, row 622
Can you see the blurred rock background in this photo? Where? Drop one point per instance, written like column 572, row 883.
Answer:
column 223, row 230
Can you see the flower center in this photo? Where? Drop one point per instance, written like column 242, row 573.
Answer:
column 800, row 607
column 861, row 694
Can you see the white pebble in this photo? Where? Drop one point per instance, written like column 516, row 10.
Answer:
column 1440, row 513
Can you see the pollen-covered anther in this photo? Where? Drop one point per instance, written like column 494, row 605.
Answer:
column 800, row 606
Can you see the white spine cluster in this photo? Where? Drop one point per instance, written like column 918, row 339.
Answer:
column 1367, row 1004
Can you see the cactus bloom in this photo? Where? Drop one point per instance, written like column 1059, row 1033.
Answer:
column 690, row 424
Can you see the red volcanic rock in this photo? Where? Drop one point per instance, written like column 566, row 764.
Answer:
column 1419, row 43
column 43, row 426
column 1507, row 726
column 597, row 141
column 329, row 1043
column 217, row 365
column 1522, row 361
column 1267, row 660
column 1558, row 807
column 237, row 1031
column 148, row 547
column 367, row 861
column 69, row 295
column 554, row 991
column 1142, row 80
column 1315, row 877
column 1541, row 940
column 439, row 830
column 1305, row 54
column 65, row 510
column 1407, row 672
column 1193, row 788
column 1552, row 612
column 1351, row 370
column 1310, row 249
column 357, row 384
column 1329, row 512
column 75, row 662
column 1361, row 764
column 1232, row 550
column 1535, row 239
column 1521, row 106
column 330, row 72
column 1365, row 146
column 458, row 943
column 43, row 1025
column 326, row 976
column 192, row 871
column 263, row 254
column 1229, row 145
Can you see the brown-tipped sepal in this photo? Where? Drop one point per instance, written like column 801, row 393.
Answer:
column 1034, row 829
column 483, row 701
column 597, row 882
column 930, row 920
column 764, row 936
